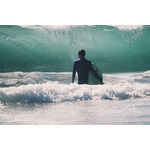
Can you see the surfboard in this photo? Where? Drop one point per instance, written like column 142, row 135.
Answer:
column 92, row 80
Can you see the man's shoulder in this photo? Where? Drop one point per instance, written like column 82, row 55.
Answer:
column 76, row 61
column 81, row 61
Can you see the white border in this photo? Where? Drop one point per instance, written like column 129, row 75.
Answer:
column 87, row 137
column 74, row 12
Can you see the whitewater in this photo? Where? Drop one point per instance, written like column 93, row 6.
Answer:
column 36, row 71
column 38, row 98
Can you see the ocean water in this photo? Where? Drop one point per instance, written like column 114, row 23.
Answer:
column 35, row 75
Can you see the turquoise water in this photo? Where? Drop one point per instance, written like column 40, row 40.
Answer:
column 54, row 48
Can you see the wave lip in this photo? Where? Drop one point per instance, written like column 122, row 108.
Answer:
column 129, row 27
column 64, row 27
column 49, row 27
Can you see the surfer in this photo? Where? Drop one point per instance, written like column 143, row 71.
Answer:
column 82, row 68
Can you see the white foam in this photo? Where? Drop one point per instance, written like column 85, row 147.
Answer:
column 129, row 27
column 55, row 92
column 52, row 27
column 147, row 72
column 125, row 95
column 48, row 87
column 65, row 27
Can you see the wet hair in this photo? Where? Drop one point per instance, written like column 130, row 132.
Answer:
column 82, row 53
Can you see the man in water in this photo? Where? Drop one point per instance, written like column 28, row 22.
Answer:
column 82, row 67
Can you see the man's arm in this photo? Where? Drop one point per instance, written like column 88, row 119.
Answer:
column 74, row 72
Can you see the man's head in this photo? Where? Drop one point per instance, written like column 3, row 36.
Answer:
column 81, row 53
